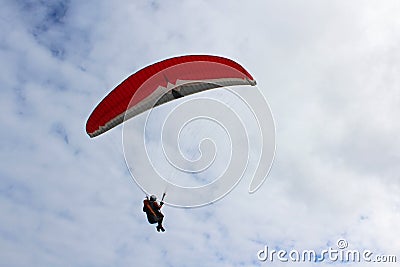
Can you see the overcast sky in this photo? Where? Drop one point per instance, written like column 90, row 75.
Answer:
column 329, row 70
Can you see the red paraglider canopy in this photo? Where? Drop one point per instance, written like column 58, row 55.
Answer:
column 195, row 73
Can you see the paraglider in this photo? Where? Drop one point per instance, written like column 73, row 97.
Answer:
column 160, row 83
column 153, row 213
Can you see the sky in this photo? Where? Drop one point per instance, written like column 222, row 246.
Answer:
column 328, row 69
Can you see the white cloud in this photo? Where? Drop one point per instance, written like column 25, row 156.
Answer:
column 328, row 70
